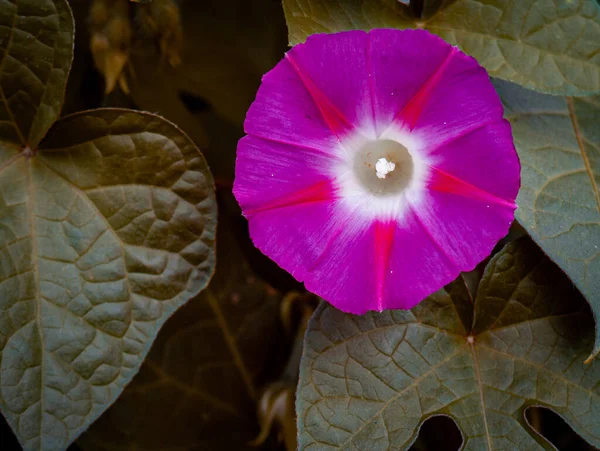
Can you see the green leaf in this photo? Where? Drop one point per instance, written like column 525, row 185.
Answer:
column 200, row 381
column 558, row 141
column 548, row 45
column 105, row 232
column 36, row 50
column 369, row 382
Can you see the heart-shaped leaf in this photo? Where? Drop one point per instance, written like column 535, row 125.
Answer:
column 558, row 140
column 106, row 231
column 204, row 367
column 36, row 51
column 369, row 382
column 551, row 46
column 106, row 228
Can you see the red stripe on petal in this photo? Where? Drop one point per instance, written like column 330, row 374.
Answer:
column 335, row 120
column 320, row 192
column 446, row 183
column 412, row 111
column 384, row 235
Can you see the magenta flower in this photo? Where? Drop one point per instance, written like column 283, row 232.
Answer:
column 377, row 167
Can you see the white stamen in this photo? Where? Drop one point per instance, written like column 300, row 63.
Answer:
column 372, row 197
column 384, row 167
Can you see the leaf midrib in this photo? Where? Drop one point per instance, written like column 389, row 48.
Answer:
column 478, row 379
column 481, row 397
column 401, row 392
column 539, row 367
column 35, row 261
column 584, row 155
column 36, row 275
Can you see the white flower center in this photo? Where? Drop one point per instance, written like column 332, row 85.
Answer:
column 377, row 177
column 384, row 167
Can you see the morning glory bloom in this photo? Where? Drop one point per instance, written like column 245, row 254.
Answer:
column 376, row 167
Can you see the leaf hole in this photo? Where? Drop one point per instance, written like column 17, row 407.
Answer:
column 422, row 9
column 194, row 103
column 439, row 433
column 553, row 428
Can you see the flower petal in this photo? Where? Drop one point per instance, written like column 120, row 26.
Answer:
column 457, row 98
column 417, row 266
column 401, row 64
column 346, row 272
column 428, row 252
column 480, row 158
column 284, row 111
column 324, row 246
column 472, row 228
column 301, row 237
column 338, row 65
column 270, row 174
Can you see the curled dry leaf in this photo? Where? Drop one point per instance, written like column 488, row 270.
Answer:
column 276, row 411
column 111, row 37
column 161, row 22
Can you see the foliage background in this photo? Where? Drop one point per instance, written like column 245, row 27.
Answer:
column 215, row 358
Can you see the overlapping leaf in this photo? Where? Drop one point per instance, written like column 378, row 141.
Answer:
column 36, row 50
column 369, row 382
column 548, row 45
column 198, row 388
column 558, row 140
column 106, row 228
